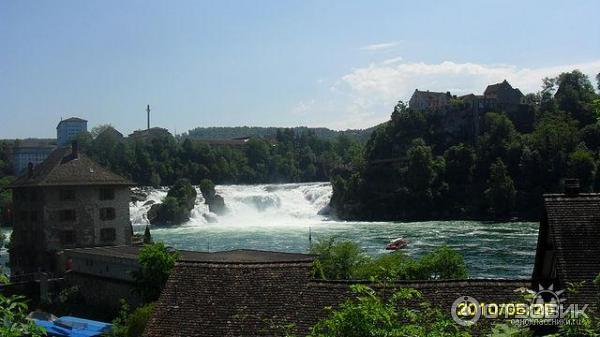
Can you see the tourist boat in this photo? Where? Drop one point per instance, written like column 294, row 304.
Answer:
column 396, row 244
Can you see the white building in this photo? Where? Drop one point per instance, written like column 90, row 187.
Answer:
column 68, row 128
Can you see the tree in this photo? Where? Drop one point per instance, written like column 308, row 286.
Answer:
column 574, row 95
column 98, row 129
column 156, row 262
column 336, row 260
column 500, row 193
column 582, row 166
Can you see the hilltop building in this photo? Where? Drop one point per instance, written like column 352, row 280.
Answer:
column 68, row 128
column 428, row 100
column 67, row 201
column 502, row 95
column 30, row 150
column 149, row 134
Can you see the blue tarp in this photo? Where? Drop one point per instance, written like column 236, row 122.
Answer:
column 69, row 326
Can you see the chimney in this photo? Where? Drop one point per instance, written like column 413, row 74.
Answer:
column 571, row 186
column 29, row 170
column 75, row 149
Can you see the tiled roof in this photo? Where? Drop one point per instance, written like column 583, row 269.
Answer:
column 250, row 299
column 61, row 168
column 573, row 226
column 239, row 256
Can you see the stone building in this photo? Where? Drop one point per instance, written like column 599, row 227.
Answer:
column 68, row 128
column 67, row 201
column 567, row 250
column 502, row 96
column 428, row 100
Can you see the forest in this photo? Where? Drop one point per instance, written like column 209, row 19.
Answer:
column 500, row 174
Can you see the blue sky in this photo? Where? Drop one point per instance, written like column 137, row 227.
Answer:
column 338, row 64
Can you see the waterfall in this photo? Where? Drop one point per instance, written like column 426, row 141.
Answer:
column 250, row 205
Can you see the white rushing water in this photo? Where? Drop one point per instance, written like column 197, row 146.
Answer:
column 279, row 217
column 251, row 206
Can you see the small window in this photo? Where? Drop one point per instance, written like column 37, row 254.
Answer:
column 67, row 237
column 108, row 234
column 107, row 213
column 107, row 193
column 67, row 215
column 23, row 215
column 67, row 194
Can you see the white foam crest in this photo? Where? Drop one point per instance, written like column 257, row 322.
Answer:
column 268, row 205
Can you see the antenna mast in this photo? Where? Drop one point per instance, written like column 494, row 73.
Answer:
column 148, row 111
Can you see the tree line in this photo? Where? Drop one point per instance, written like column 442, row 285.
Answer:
column 289, row 157
column 500, row 173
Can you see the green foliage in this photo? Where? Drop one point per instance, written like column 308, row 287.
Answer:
column 131, row 323
column 156, row 262
column 507, row 330
column 177, row 205
column 368, row 314
column 346, row 260
column 336, row 260
column 13, row 315
column 287, row 155
column 207, row 187
column 418, row 166
column 501, row 191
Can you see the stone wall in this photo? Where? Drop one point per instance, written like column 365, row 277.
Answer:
column 102, row 292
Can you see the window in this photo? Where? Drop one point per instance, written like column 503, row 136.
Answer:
column 23, row 215
column 107, row 193
column 33, row 196
column 67, row 194
column 107, row 213
column 108, row 234
column 67, row 215
column 67, row 237
column 33, row 216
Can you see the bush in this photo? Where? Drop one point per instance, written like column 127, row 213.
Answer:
column 346, row 260
column 369, row 315
column 131, row 324
column 156, row 262
column 336, row 261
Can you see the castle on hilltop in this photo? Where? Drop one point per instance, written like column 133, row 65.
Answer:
column 462, row 116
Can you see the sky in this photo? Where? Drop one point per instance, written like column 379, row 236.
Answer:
column 337, row 64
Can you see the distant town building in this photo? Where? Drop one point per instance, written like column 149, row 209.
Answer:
column 111, row 133
column 68, row 128
column 149, row 134
column 67, row 201
column 35, row 151
column 428, row 100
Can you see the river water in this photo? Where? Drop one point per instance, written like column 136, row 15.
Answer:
column 280, row 217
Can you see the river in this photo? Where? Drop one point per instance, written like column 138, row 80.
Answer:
column 280, row 216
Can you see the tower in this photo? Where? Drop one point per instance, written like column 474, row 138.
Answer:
column 148, row 112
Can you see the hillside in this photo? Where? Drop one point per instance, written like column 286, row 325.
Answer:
column 270, row 132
